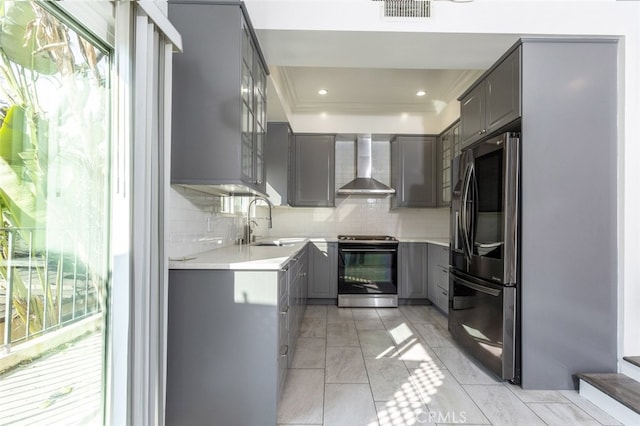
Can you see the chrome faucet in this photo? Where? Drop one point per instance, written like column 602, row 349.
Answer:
column 247, row 229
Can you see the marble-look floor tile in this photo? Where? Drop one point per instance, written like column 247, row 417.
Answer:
column 306, row 424
column 309, row 353
column 590, row 408
column 501, row 406
column 376, row 343
column 441, row 319
column 389, row 313
column 342, row 334
column 416, row 350
column 313, row 327
column 445, row 397
column 345, row 365
column 434, row 335
column 349, row 405
column 393, row 413
column 302, row 397
column 370, row 324
column 400, row 329
column 417, row 314
column 537, row 395
column 463, row 369
column 364, row 313
column 315, row 311
column 559, row 414
column 335, row 314
column 389, row 380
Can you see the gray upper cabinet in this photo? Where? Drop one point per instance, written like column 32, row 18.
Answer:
column 448, row 148
column 493, row 102
column 412, row 271
column 414, row 171
column 323, row 270
column 312, row 176
column 219, row 99
column 279, row 138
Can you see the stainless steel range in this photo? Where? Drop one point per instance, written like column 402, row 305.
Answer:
column 367, row 271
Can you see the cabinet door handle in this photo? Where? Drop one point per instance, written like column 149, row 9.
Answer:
column 284, row 350
column 285, row 310
column 285, row 269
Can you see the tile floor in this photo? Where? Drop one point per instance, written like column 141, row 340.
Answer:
column 400, row 367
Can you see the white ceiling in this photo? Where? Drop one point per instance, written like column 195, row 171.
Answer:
column 374, row 72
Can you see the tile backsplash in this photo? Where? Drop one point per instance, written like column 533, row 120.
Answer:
column 196, row 224
column 359, row 215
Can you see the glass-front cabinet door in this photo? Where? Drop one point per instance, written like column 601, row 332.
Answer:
column 261, row 125
column 254, row 113
column 55, row 198
column 248, row 107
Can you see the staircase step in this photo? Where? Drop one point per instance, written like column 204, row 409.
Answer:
column 635, row 360
column 619, row 387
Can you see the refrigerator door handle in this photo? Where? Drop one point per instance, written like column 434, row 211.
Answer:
column 465, row 211
column 482, row 289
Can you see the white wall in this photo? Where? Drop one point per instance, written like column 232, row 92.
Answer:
column 607, row 18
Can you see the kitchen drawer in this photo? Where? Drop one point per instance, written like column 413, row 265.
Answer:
column 443, row 277
column 283, row 284
column 442, row 256
column 442, row 299
column 283, row 361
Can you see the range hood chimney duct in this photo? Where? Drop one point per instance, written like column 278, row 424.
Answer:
column 364, row 183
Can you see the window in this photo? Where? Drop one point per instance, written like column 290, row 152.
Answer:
column 55, row 173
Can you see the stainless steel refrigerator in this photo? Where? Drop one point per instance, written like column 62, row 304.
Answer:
column 484, row 275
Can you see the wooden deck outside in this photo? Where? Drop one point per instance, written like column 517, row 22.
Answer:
column 62, row 388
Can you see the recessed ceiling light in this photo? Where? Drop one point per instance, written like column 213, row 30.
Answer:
column 421, row 93
column 323, row 92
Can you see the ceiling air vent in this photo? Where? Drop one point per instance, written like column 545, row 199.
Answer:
column 406, row 8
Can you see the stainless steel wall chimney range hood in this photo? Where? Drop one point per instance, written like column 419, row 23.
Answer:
column 364, row 183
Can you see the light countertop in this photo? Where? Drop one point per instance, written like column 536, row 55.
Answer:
column 241, row 257
column 265, row 258
column 444, row 242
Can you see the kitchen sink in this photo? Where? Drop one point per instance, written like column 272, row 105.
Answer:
column 272, row 244
column 284, row 242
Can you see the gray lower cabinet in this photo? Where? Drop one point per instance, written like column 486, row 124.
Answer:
column 230, row 340
column 414, row 171
column 494, row 102
column 312, row 177
column 438, row 276
column 293, row 310
column 412, row 270
column 219, row 99
column 323, row 270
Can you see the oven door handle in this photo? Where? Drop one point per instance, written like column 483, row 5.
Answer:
column 391, row 250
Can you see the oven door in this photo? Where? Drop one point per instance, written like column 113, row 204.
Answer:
column 482, row 319
column 367, row 269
